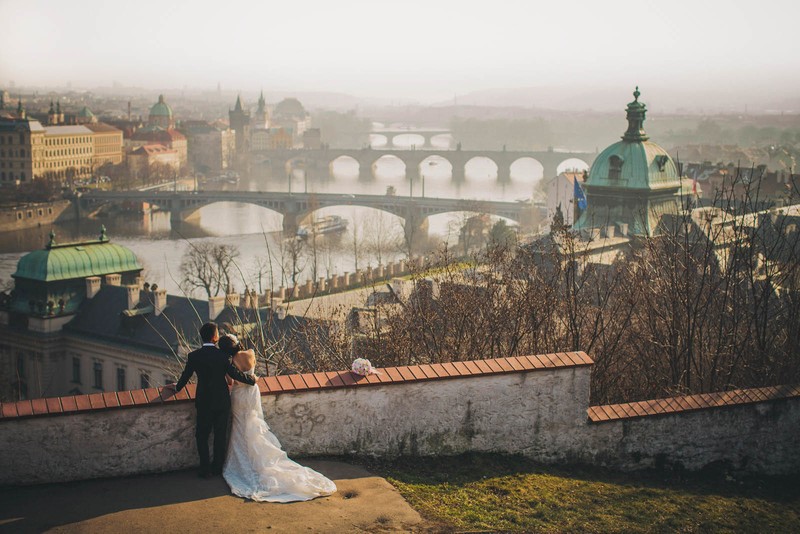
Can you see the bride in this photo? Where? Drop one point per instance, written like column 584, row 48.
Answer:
column 256, row 467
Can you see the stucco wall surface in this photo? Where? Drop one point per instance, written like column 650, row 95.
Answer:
column 533, row 413
column 540, row 413
column 757, row 438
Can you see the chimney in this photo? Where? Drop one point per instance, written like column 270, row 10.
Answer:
column 159, row 300
column 139, row 281
column 92, row 286
column 113, row 279
column 232, row 299
column 133, row 296
column 610, row 231
column 623, row 229
column 215, row 307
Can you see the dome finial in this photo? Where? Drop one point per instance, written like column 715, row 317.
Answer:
column 103, row 236
column 636, row 94
column 52, row 241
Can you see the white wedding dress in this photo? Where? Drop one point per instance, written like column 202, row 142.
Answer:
column 256, row 467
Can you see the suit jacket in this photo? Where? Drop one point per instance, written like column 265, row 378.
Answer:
column 211, row 365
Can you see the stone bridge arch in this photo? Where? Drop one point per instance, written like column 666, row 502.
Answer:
column 523, row 159
column 572, row 163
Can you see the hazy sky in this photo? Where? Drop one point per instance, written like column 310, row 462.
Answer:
column 426, row 50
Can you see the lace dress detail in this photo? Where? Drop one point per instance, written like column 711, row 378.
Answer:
column 256, row 467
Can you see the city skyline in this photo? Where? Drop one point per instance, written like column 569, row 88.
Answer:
column 730, row 53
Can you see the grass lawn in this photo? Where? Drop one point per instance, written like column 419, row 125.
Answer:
column 489, row 493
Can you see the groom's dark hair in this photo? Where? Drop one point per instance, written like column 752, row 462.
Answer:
column 208, row 332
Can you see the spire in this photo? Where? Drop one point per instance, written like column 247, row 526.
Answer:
column 52, row 108
column 58, row 108
column 635, row 115
column 261, row 102
column 2, row 100
column 238, row 106
column 19, row 106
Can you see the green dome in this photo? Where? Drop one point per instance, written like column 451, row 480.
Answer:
column 632, row 183
column 76, row 260
column 634, row 165
column 161, row 108
column 85, row 112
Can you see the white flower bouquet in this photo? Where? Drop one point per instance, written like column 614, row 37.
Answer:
column 363, row 367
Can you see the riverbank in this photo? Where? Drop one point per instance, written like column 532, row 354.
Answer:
column 36, row 214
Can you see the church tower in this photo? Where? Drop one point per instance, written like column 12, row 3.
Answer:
column 52, row 118
column 240, row 123
column 261, row 117
column 632, row 182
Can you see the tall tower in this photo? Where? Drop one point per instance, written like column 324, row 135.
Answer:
column 261, row 117
column 240, row 123
column 52, row 118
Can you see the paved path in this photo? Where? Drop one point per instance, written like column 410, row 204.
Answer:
column 181, row 502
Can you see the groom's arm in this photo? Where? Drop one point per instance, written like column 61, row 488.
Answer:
column 239, row 376
column 188, row 371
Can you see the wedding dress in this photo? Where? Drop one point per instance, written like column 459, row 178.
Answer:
column 256, row 467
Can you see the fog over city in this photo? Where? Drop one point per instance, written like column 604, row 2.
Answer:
column 712, row 55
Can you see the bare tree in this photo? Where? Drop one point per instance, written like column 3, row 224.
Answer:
column 209, row 266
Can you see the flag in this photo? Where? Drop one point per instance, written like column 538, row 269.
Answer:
column 580, row 199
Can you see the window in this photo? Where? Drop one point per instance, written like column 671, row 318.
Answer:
column 98, row 375
column 615, row 167
column 121, row 379
column 76, row 369
column 144, row 380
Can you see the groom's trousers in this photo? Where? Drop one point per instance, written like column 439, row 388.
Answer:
column 208, row 420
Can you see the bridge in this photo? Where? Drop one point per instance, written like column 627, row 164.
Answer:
column 298, row 208
column 426, row 133
column 319, row 162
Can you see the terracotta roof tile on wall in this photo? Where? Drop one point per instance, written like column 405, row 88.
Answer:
column 690, row 403
column 275, row 385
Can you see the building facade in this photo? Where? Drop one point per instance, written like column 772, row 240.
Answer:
column 29, row 150
column 107, row 144
column 148, row 160
column 210, row 148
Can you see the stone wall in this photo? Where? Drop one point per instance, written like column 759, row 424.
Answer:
column 36, row 214
column 534, row 405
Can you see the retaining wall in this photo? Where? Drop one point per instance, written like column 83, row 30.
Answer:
column 534, row 405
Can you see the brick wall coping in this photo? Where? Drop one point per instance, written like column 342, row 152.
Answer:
column 274, row 385
column 689, row 403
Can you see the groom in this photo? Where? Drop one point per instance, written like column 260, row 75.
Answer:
column 212, row 400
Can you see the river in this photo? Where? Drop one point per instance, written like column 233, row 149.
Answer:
column 257, row 233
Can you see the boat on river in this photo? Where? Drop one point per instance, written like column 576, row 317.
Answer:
column 325, row 225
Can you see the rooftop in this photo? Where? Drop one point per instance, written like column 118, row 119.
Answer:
column 70, row 261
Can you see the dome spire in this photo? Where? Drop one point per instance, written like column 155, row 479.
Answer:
column 238, row 106
column 635, row 114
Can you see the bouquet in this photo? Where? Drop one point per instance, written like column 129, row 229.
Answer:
column 363, row 367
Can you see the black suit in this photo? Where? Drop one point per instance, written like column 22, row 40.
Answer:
column 212, row 400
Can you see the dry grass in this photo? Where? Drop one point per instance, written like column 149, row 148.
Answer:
column 499, row 493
